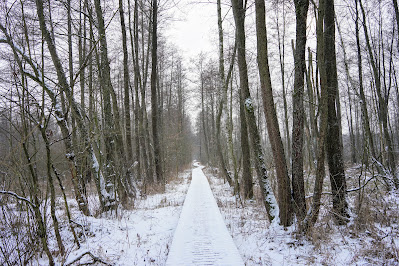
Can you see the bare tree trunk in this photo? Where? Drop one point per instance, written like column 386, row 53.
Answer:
column 52, row 190
column 247, row 180
column 82, row 53
column 268, row 197
column 284, row 190
column 135, row 55
column 281, row 51
column 363, row 102
column 145, row 134
column 334, row 151
column 312, row 103
column 106, row 86
column 154, row 99
column 90, row 63
column 351, row 131
column 78, row 181
column 313, row 212
column 223, row 98
column 126, row 85
column 203, row 114
column 298, row 191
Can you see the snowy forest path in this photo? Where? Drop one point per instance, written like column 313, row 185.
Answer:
column 201, row 236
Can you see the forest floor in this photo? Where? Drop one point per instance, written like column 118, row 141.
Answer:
column 143, row 235
column 370, row 238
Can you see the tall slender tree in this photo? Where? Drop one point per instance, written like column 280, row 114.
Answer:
column 154, row 94
column 126, row 81
column 334, row 151
column 363, row 101
column 298, row 190
column 224, row 85
column 268, row 197
column 314, row 209
column 284, row 190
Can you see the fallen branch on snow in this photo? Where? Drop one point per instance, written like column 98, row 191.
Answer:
column 95, row 259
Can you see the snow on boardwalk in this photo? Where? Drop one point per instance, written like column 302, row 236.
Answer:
column 201, row 236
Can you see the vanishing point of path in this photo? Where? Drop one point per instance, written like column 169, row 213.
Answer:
column 201, row 236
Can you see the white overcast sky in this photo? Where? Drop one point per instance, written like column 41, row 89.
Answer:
column 194, row 28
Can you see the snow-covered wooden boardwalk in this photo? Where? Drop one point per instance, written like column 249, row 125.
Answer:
column 201, row 236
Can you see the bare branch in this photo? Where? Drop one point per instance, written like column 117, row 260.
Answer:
column 349, row 190
column 18, row 197
column 95, row 259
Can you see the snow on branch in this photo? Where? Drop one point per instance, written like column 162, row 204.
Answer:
column 18, row 197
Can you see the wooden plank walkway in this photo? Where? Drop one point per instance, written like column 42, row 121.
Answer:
column 201, row 236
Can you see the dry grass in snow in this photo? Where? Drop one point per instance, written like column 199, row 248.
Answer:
column 371, row 237
column 141, row 236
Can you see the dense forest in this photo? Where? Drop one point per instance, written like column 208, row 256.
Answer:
column 296, row 108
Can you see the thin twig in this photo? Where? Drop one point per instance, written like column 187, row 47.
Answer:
column 349, row 190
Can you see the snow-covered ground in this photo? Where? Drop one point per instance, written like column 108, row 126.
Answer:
column 328, row 244
column 141, row 236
